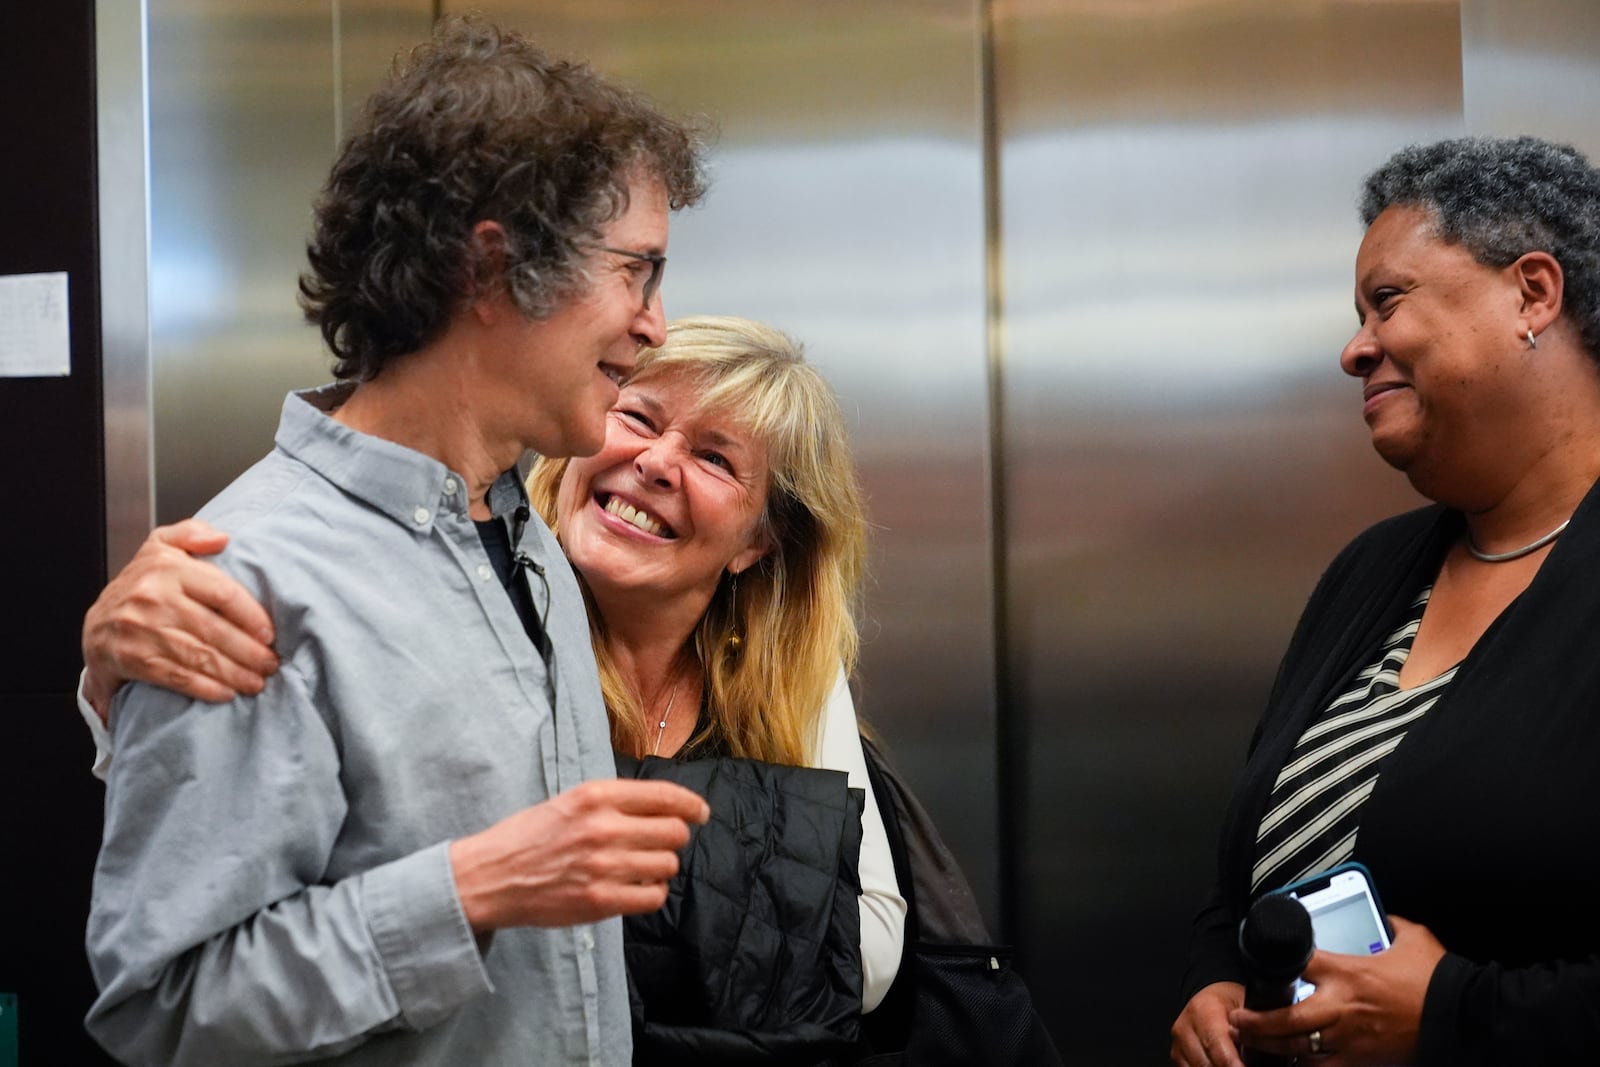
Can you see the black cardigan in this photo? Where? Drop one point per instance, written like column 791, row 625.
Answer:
column 1484, row 824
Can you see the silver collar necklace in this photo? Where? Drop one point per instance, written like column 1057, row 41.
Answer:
column 1515, row 553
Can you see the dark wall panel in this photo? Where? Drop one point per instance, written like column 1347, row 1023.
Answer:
column 52, row 539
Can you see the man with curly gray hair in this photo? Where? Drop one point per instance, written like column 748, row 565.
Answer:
column 409, row 846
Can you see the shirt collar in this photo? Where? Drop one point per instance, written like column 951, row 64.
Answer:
column 402, row 483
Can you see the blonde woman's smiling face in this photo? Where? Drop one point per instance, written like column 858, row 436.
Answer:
column 673, row 498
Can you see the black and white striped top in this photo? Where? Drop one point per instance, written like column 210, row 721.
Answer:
column 1315, row 808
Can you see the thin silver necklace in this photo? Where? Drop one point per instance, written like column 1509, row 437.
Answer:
column 1515, row 553
column 661, row 727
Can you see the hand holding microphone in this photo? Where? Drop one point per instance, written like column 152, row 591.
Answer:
column 1275, row 940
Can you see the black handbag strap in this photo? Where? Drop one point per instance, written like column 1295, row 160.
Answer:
column 889, row 1026
column 940, row 905
column 955, row 999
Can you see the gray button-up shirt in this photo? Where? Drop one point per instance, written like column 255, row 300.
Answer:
column 274, row 885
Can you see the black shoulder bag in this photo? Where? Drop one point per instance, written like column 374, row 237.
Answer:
column 956, row 999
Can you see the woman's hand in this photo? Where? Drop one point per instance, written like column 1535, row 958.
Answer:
column 1366, row 1011
column 1202, row 1035
column 174, row 621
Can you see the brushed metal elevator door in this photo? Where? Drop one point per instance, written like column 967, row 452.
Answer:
column 1532, row 66
column 247, row 102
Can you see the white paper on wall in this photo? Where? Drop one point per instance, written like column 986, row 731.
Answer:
column 34, row 341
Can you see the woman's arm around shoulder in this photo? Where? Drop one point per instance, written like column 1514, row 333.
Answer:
column 175, row 621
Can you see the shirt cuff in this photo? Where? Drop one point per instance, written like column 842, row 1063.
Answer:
column 97, row 730
column 423, row 936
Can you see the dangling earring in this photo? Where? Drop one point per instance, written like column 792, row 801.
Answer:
column 1533, row 342
column 735, row 640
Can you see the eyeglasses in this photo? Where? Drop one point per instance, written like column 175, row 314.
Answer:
column 657, row 262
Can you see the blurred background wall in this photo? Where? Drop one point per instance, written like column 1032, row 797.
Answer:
column 1080, row 270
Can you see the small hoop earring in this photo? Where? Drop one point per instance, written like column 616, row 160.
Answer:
column 1533, row 342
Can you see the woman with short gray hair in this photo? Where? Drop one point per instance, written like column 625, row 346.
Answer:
column 1434, row 718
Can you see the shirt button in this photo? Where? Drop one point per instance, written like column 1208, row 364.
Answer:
column 484, row 572
column 449, row 487
column 421, row 515
column 588, row 941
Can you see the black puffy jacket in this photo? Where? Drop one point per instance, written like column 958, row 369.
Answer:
column 756, row 956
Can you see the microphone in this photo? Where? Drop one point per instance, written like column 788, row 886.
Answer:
column 519, row 522
column 1276, row 942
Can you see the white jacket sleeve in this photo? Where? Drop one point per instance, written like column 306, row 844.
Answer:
column 883, row 910
column 97, row 731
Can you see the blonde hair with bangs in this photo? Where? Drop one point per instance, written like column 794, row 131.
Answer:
column 795, row 609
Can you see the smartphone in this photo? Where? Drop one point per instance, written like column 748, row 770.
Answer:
column 1345, row 914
